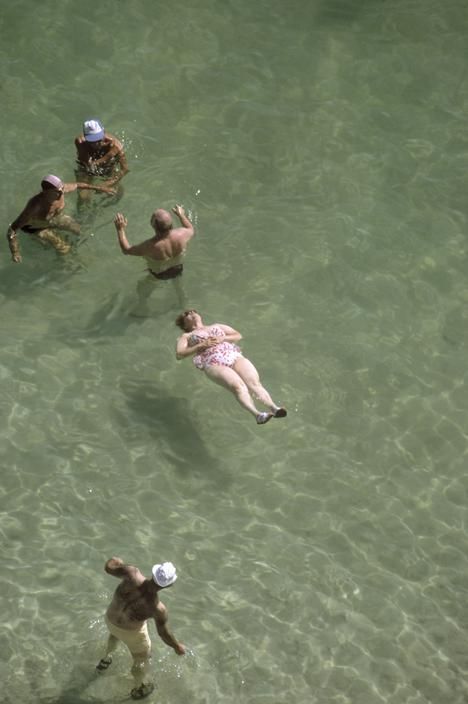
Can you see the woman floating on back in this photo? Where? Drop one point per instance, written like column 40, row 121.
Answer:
column 214, row 352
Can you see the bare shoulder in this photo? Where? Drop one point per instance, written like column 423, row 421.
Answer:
column 181, row 235
column 114, row 142
column 133, row 575
column 160, row 612
column 33, row 205
column 28, row 212
column 117, row 568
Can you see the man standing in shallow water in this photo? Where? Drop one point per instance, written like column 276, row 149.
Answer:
column 99, row 156
column 42, row 215
column 164, row 252
column 134, row 602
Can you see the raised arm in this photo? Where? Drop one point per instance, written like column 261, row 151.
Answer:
column 184, row 221
column 137, row 250
column 164, row 633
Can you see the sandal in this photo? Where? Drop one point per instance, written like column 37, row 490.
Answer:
column 263, row 418
column 280, row 413
column 104, row 663
column 142, row 691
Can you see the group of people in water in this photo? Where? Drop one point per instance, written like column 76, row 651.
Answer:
column 101, row 165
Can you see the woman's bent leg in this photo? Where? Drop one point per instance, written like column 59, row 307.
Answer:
column 227, row 377
column 249, row 374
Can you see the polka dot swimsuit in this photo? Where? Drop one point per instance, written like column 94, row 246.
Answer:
column 224, row 353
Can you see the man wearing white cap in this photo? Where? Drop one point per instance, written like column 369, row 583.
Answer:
column 134, row 602
column 42, row 215
column 99, row 155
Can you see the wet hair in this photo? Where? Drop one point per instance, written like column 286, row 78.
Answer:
column 180, row 320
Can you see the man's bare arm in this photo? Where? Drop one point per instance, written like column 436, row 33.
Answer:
column 164, row 633
column 115, row 152
column 230, row 335
column 70, row 187
column 117, row 568
column 22, row 220
column 13, row 245
column 180, row 212
column 119, row 173
column 137, row 250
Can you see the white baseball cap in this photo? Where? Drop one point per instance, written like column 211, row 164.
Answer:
column 93, row 130
column 164, row 574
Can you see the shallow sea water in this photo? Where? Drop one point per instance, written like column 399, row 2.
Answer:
column 321, row 149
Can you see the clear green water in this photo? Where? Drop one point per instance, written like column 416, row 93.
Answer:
column 322, row 149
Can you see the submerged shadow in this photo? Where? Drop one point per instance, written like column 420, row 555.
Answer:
column 74, row 690
column 117, row 313
column 111, row 318
column 169, row 420
column 42, row 268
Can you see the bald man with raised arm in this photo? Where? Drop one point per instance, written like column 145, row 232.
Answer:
column 164, row 252
column 135, row 601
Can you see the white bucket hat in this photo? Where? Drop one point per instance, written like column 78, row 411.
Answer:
column 164, row 574
column 93, row 130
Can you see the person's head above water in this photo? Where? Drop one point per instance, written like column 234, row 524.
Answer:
column 93, row 131
column 51, row 182
column 164, row 574
column 188, row 320
column 161, row 221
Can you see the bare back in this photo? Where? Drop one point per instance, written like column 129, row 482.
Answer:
column 39, row 211
column 169, row 247
column 168, row 244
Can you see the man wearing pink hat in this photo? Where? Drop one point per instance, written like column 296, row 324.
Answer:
column 100, row 156
column 135, row 601
column 42, row 215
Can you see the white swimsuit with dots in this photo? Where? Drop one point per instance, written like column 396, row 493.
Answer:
column 224, row 353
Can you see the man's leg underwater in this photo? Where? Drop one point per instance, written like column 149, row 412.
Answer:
column 180, row 292
column 140, row 671
column 145, row 287
column 58, row 243
column 104, row 662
